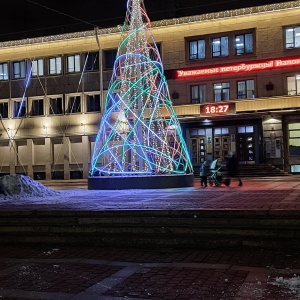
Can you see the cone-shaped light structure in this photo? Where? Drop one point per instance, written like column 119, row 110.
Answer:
column 139, row 131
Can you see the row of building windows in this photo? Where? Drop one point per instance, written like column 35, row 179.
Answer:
column 73, row 64
column 221, row 91
column 245, row 90
column 71, row 104
column 236, row 44
column 221, row 46
column 51, row 105
column 58, row 65
column 222, row 130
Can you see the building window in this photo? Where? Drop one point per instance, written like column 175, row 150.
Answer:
column 56, row 106
column 74, row 105
column 37, row 107
column 37, row 67
column 245, row 89
column 244, row 43
column 19, row 108
column 222, row 130
column 294, row 139
column 55, row 65
column 4, row 71
column 110, row 57
column 221, row 91
column 220, row 46
column 18, row 69
column 91, row 61
column 293, row 85
column 197, row 49
column 245, row 129
column 93, row 103
column 3, row 110
column 198, row 93
column 73, row 63
column 292, row 37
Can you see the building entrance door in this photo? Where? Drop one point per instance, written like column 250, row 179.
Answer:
column 221, row 147
column 246, row 148
column 198, row 150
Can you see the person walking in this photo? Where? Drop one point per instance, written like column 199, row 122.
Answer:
column 204, row 169
column 232, row 168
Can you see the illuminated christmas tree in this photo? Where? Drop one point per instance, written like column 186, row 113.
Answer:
column 139, row 131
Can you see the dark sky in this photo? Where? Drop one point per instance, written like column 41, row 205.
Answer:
column 30, row 18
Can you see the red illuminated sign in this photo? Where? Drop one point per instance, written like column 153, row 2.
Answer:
column 238, row 68
column 217, row 108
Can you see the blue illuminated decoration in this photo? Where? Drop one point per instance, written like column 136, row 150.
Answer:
column 22, row 103
column 139, row 131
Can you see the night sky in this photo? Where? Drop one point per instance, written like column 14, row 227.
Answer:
column 31, row 18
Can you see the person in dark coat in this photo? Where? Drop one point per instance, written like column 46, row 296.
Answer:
column 232, row 168
column 204, row 171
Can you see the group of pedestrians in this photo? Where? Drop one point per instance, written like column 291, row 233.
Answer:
column 232, row 170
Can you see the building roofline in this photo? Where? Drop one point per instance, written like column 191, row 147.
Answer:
column 157, row 24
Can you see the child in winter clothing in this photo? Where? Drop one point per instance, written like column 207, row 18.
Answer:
column 204, row 169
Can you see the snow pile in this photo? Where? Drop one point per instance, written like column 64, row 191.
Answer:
column 293, row 284
column 20, row 185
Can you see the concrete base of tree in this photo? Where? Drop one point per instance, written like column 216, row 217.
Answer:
column 140, row 182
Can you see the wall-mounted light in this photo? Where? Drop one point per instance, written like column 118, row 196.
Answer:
column 46, row 128
column 9, row 133
column 82, row 124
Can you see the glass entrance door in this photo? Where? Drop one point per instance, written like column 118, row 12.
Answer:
column 221, row 147
column 198, row 150
column 246, row 147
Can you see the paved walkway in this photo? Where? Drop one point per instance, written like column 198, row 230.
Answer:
column 256, row 194
column 97, row 273
column 88, row 273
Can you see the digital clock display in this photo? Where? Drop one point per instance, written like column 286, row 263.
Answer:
column 217, row 109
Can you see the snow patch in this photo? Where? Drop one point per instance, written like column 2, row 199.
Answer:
column 293, row 284
column 21, row 185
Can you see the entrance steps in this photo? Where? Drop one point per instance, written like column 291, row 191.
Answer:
column 153, row 228
column 255, row 170
column 260, row 170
